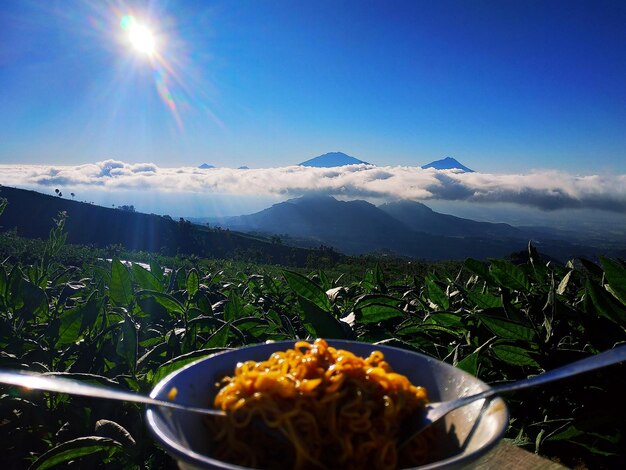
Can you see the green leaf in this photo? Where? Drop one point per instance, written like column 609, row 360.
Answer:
column 154, row 354
column 616, row 276
column 308, row 290
column 374, row 313
column 436, row 294
column 450, row 320
column 507, row 329
column 14, row 294
column 35, row 301
column 204, row 304
column 206, row 322
column 70, row 326
column 426, row 327
column 484, row 300
column 509, row 275
column 326, row 285
column 478, row 268
column 153, row 309
column 605, row 304
column 193, row 283
column 567, row 434
column 174, row 364
column 91, row 309
column 3, row 283
column 367, row 284
column 379, row 279
column 74, row 449
column 121, row 288
column 513, row 355
column 115, row 431
column 179, row 280
column 145, row 279
column 249, row 322
column 323, row 322
column 127, row 343
column 233, row 308
column 219, row 339
column 592, row 268
column 375, row 299
column 469, row 363
column 156, row 271
column 165, row 300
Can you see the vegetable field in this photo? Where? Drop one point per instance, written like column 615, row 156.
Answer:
column 128, row 327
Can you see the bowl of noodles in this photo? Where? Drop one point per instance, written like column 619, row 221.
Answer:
column 321, row 405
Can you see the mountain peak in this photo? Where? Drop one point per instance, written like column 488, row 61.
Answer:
column 205, row 166
column 332, row 159
column 448, row 163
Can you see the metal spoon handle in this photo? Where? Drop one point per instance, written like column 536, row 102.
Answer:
column 597, row 361
column 606, row 358
column 74, row 387
column 435, row 411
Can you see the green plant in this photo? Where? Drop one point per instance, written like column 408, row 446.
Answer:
column 128, row 326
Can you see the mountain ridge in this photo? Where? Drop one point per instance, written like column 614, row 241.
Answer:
column 448, row 163
column 332, row 159
column 405, row 228
column 420, row 217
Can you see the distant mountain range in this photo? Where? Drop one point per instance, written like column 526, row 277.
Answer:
column 279, row 233
column 448, row 163
column 332, row 159
column 335, row 159
column 421, row 218
column 402, row 228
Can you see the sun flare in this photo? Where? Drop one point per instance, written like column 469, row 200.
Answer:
column 140, row 38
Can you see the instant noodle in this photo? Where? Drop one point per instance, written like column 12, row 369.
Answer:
column 320, row 408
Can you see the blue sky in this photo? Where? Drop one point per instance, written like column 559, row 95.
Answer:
column 502, row 86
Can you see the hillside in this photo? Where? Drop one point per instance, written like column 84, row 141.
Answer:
column 354, row 227
column 31, row 214
column 358, row 227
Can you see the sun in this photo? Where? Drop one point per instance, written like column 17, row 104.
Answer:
column 142, row 39
column 139, row 36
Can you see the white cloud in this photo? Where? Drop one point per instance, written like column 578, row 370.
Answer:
column 541, row 189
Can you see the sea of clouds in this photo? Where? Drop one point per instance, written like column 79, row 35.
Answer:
column 546, row 190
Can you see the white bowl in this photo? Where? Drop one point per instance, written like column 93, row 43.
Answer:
column 463, row 436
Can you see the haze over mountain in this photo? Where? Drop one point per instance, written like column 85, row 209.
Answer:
column 401, row 228
column 333, row 159
column 404, row 228
column 447, row 163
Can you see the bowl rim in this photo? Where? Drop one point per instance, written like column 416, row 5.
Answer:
column 191, row 457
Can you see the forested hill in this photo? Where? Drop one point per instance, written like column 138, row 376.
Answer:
column 32, row 215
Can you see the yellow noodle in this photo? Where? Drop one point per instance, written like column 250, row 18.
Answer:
column 333, row 409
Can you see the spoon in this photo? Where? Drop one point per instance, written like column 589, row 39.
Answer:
column 437, row 410
column 51, row 383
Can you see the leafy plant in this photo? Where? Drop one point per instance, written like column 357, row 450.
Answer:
column 127, row 326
